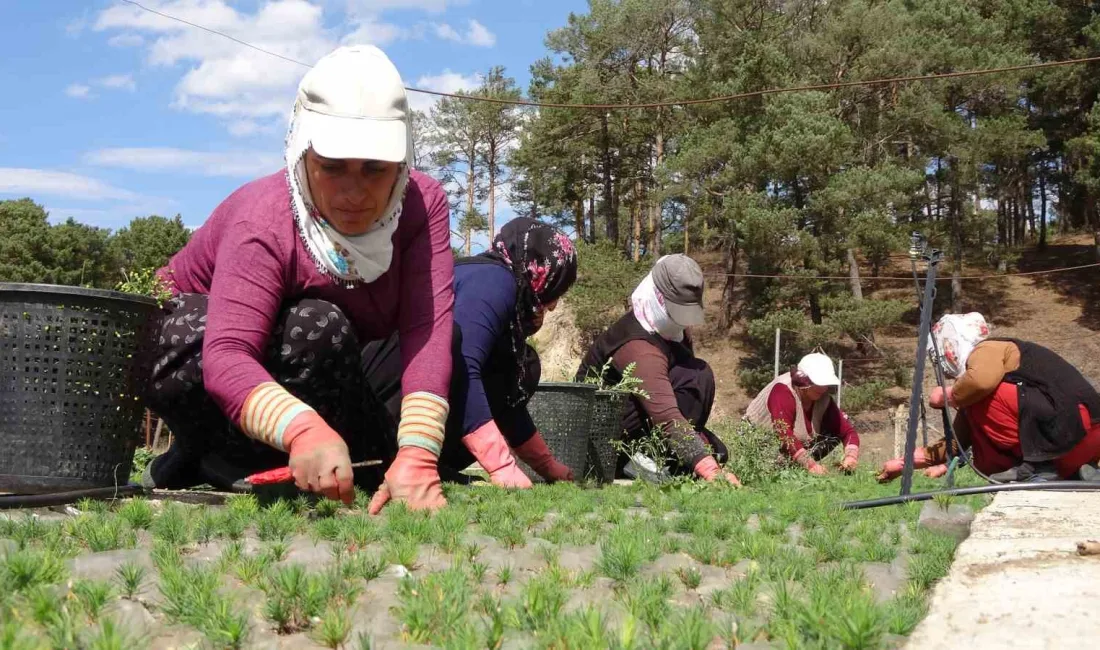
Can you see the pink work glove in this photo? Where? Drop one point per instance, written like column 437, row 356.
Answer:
column 491, row 451
column 708, row 470
column 851, row 459
column 535, row 453
column 803, row 458
column 413, row 478
column 893, row 468
column 319, row 459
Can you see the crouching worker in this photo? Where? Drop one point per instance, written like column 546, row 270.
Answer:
column 654, row 337
column 258, row 359
column 1026, row 413
column 501, row 298
column 798, row 406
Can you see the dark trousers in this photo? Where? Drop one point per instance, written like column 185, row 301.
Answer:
column 313, row 353
column 382, row 371
column 693, row 384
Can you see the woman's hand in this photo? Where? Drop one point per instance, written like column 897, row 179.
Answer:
column 413, row 478
column 893, row 468
column 319, row 459
column 939, row 398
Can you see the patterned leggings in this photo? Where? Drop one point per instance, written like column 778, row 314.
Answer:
column 313, row 353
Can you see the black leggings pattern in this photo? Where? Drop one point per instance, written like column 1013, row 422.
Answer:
column 313, row 353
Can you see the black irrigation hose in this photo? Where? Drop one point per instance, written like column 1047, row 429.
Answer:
column 1069, row 486
column 61, row 498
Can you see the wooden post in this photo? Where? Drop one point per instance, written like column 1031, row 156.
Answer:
column 148, row 428
column 840, row 376
column 776, row 352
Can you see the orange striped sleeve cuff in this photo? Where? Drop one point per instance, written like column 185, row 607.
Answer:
column 423, row 421
column 268, row 411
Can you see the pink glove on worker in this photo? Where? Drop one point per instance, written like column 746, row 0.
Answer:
column 535, row 453
column 319, row 459
column 893, row 468
column 413, row 478
column 708, row 470
column 491, row 451
column 803, row 458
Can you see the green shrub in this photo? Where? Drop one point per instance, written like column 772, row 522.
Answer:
column 753, row 451
column 605, row 280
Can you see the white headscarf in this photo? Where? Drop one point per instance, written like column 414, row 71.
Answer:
column 345, row 258
column 649, row 309
column 957, row 335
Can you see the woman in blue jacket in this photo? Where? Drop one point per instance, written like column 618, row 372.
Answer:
column 501, row 298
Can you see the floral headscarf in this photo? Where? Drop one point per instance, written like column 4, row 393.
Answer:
column 544, row 263
column 957, row 335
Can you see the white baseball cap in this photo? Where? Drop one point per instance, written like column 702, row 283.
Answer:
column 354, row 105
column 819, row 368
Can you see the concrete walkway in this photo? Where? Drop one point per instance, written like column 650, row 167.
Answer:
column 1017, row 581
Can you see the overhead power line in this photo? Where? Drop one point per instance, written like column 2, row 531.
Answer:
column 903, row 278
column 670, row 103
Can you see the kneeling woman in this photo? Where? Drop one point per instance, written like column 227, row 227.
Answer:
column 653, row 337
column 1026, row 413
column 810, row 425
column 501, row 298
column 258, row 363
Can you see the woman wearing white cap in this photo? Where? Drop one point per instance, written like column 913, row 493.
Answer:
column 798, row 406
column 1025, row 413
column 259, row 358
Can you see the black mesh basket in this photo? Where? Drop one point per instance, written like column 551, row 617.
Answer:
column 606, row 428
column 73, row 364
column 562, row 412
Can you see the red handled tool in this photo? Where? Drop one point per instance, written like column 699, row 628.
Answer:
column 283, row 475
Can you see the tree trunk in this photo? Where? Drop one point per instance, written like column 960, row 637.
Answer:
column 687, row 223
column 492, row 204
column 612, row 219
column 957, row 242
column 636, row 207
column 654, row 247
column 578, row 218
column 853, row 274
column 1043, row 207
column 729, row 292
column 469, row 208
column 592, row 216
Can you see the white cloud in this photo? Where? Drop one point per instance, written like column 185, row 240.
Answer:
column 476, row 34
column 480, row 35
column 80, row 91
column 124, row 81
column 204, row 163
column 377, row 6
column 369, row 30
column 446, row 82
column 446, row 32
column 126, row 40
column 34, row 182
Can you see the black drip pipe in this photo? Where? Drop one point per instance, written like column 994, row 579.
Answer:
column 1066, row 486
column 61, row 498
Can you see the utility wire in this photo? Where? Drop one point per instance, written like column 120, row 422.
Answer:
column 900, row 278
column 670, row 103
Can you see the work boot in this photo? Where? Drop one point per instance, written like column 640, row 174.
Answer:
column 1027, row 472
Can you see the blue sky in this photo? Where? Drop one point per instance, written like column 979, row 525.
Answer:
column 112, row 112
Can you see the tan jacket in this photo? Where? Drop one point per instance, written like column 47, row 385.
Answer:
column 758, row 413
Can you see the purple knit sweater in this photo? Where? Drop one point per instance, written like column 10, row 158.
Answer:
column 250, row 260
